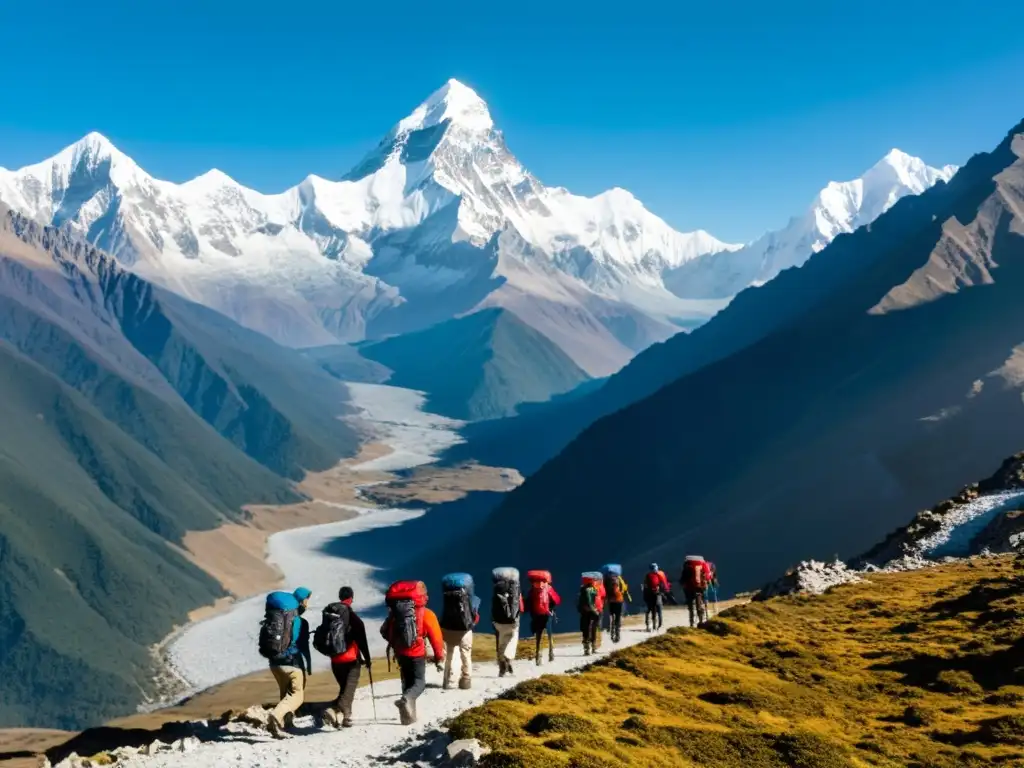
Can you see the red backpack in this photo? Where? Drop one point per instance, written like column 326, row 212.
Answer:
column 540, row 585
column 694, row 575
column 613, row 586
column 653, row 582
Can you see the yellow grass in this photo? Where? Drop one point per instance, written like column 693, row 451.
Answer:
column 924, row 670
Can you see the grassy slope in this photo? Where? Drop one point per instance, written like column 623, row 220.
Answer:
column 86, row 578
column 479, row 366
column 922, row 670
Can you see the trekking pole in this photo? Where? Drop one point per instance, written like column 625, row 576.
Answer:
column 373, row 693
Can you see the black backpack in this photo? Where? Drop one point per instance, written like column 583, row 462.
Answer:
column 405, row 631
column 505, row 602
column 331, row 637
column 276, row 632
column 458, row 610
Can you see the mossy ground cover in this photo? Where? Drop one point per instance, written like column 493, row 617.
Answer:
column 923, row 669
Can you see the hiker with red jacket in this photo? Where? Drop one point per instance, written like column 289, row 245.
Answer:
column 542, row 601
column 695, row 578
column 590, row 605
column 330, row 639
column 407, row 629
column 655, row 588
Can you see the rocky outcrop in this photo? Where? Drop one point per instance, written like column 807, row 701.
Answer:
column 810, row 577
column 1004, row 534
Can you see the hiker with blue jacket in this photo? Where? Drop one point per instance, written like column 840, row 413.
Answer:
column 284, row 641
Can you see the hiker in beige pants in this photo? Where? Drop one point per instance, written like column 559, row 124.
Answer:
column 460, row 642
column 291, row 682
column 508, row 641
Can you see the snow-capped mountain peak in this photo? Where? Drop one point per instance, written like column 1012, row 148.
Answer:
column 453, row 101
column 841, row 206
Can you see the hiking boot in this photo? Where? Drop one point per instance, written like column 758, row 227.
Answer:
column 330, row 717
column 540, row 660
column 465, row 683
column 404, row 715
column 508, row 667
column 551, row 655
column 347, row 722
column 586, row 650
column 502, row 668
column 276, row 729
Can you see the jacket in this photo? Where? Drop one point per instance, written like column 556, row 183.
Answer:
column 428, row 630
column 358, row 642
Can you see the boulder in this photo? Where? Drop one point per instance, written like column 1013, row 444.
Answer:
column 465, row 752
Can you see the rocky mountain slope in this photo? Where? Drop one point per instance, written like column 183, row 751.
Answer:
column 891, row 376
column 130, row 417
column 439, row 219
column 479, row 366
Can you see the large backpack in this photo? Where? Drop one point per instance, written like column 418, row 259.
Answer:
column 540, row 592
column 332, row 636
column 277, row 627
column 613, row 586
column 457, row 612
column 693, row 576
column 405, row 601
column 505, row 599
column 652, row 583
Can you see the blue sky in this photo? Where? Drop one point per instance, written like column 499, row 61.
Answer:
column 722, row 115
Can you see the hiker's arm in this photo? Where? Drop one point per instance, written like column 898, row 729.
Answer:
column 359, row 634
column 433, row 632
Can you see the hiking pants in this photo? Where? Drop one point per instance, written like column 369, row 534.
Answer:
column 695, row 602
column 291, row 683
column 615, row 620
column 507, row 639
column 414, row 676
column 589, row 623
column 347, row 675
column 653, row 615
column 539, row 624
column 457, row 642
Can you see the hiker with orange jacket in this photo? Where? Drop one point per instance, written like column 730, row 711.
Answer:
column 542, row 600
column 407, row 629
column 655, row 588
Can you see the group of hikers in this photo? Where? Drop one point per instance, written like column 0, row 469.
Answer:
column 410, row 626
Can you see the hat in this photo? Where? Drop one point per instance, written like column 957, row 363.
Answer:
column 654, row 566
column 301, row 594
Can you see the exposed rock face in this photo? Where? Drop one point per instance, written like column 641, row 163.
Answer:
column 1004, row 534
column 810, row 577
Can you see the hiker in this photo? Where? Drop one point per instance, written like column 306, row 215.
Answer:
column 655, row 587
column 618, row 592
column 284, row 641
column 694, row 578
column 342, row 636
column 408, row 627
column 711, row 593
column 590, row 604
column 506, row 608
column 461, row 613
column 542, row 601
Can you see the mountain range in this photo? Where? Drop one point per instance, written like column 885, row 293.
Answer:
column 811, row 414
column 438, row 221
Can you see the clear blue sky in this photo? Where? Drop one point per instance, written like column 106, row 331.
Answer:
column 726, row 115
